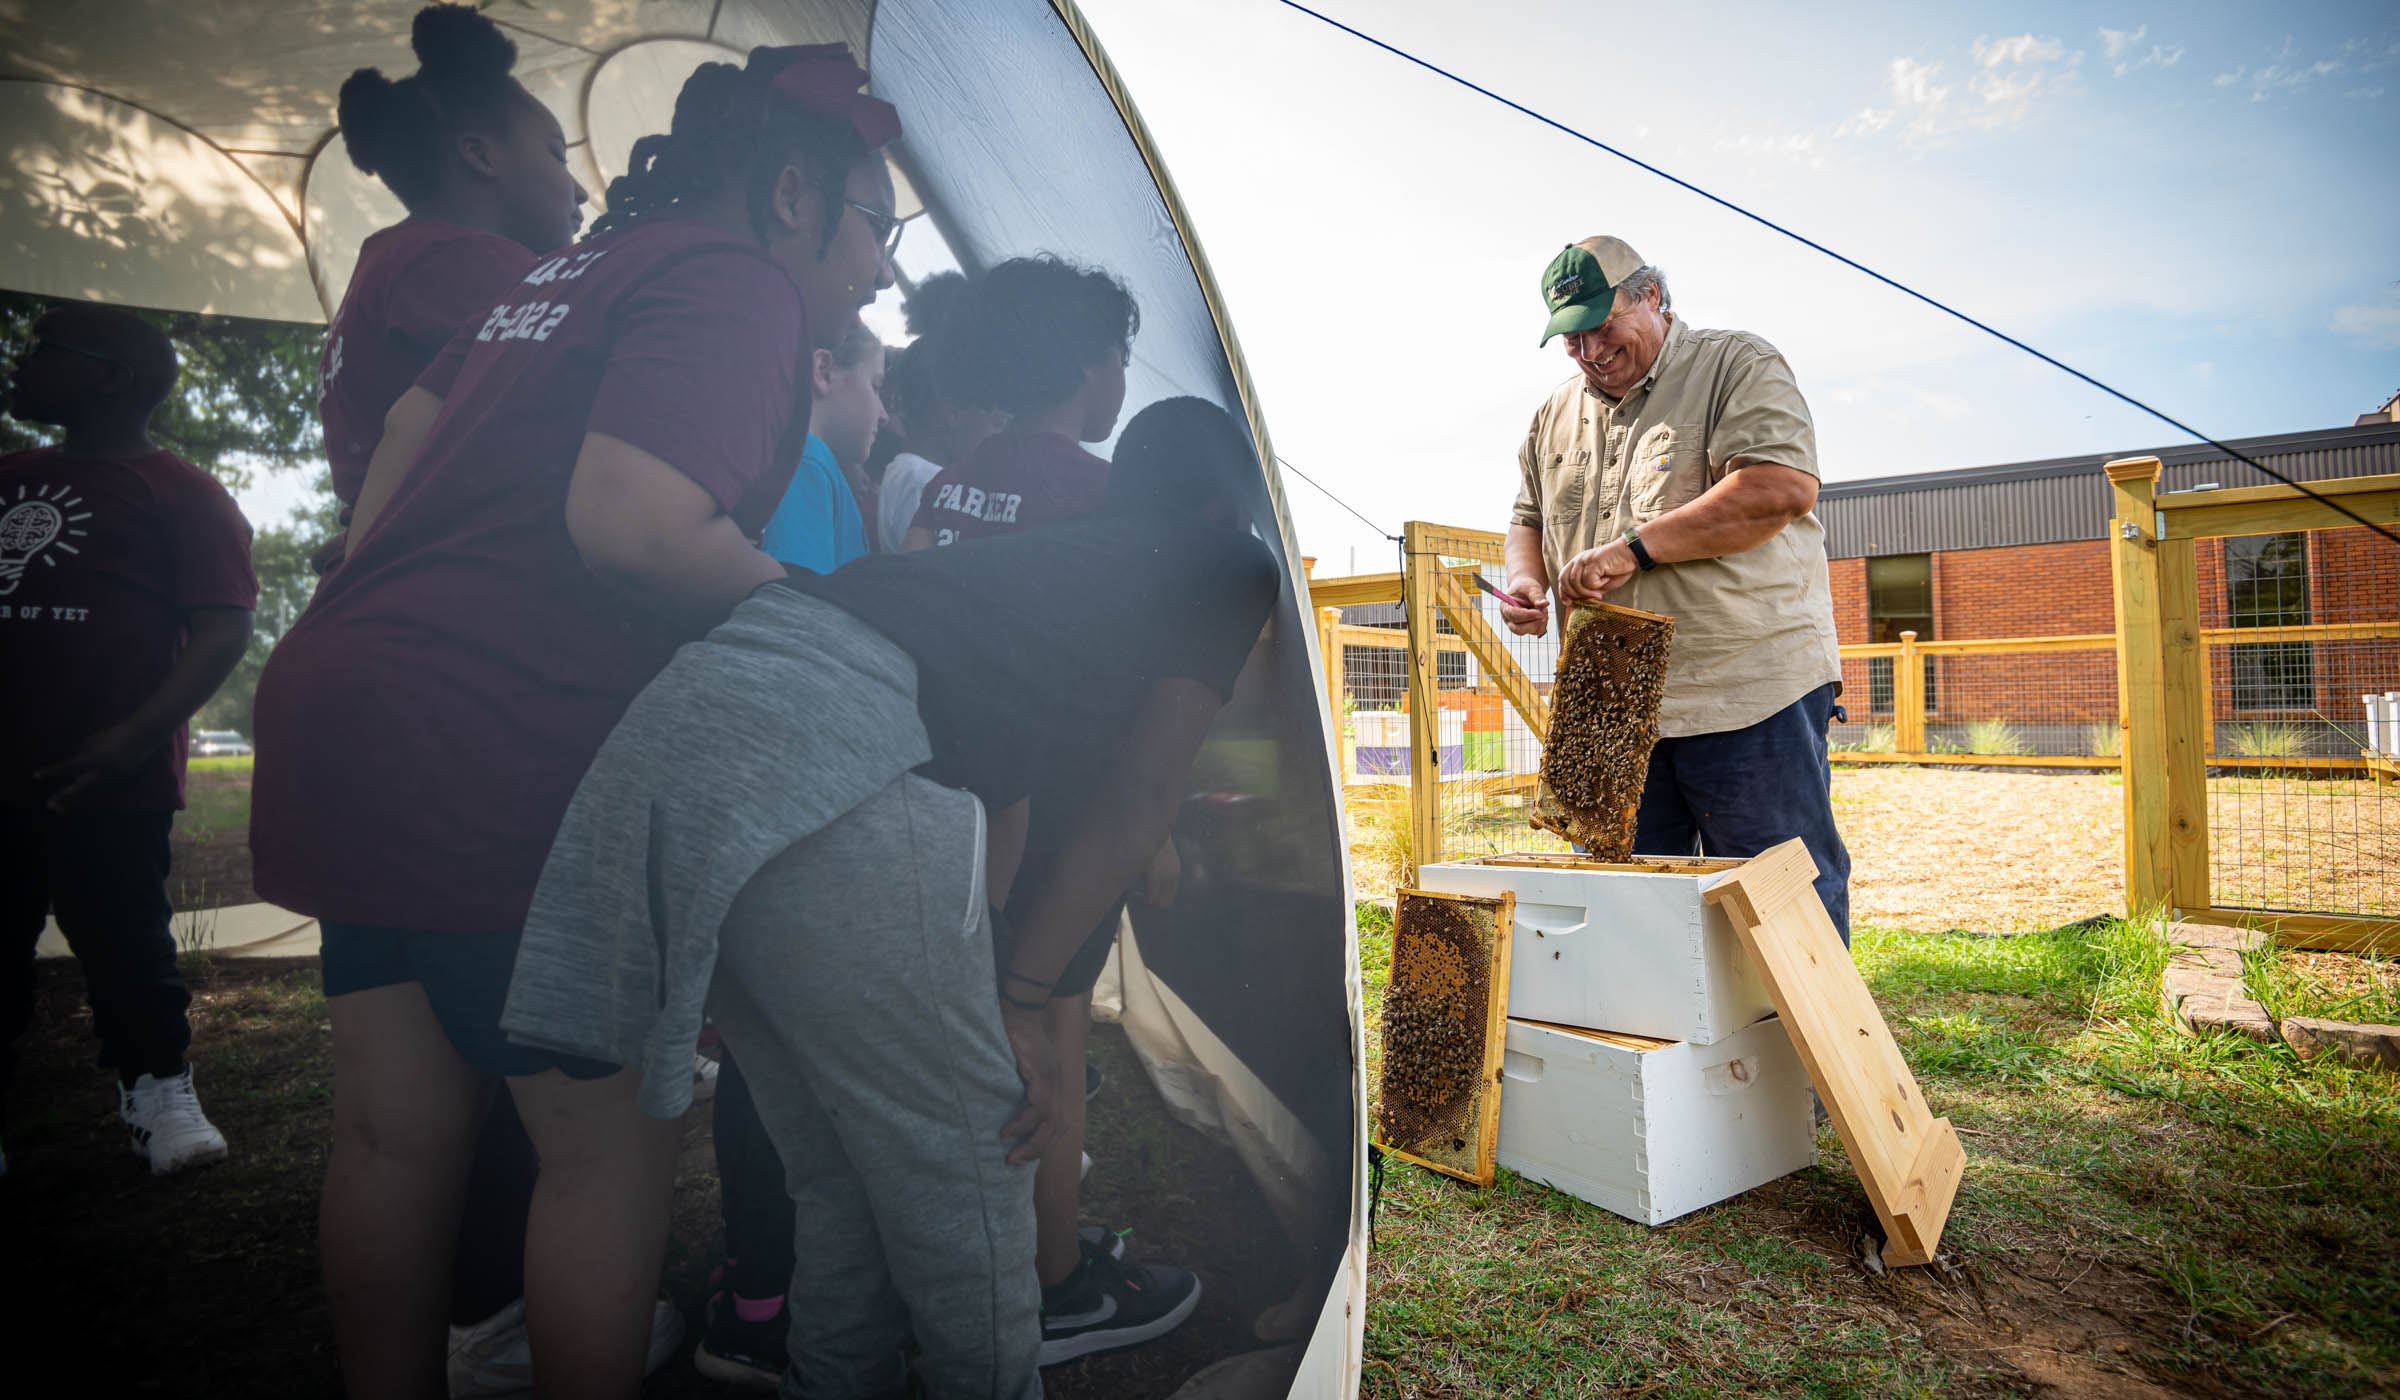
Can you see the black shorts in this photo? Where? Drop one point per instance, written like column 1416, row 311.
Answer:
column 465, row 977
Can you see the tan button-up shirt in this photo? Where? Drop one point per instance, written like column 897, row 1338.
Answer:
column 1754, row 630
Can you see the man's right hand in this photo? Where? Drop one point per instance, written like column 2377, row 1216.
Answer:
column 1534, row 619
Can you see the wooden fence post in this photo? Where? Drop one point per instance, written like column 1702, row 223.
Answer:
column 2183, row 677
column 1908, row 697
column 2133, row 559
column 1424, row 705
column 1329, row 657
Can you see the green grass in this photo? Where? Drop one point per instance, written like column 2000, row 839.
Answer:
column 1876, row 738
column 2262, row 740
column 2206, row 1214
column 1995, row 736
column 216, row 798
column 2290, row 983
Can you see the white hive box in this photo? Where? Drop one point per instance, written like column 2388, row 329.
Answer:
column 1651, row 1129
column 1629, row 948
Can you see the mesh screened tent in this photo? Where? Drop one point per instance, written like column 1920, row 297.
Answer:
column 182, row 156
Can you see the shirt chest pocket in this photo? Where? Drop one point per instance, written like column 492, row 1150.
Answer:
column 1669, row 468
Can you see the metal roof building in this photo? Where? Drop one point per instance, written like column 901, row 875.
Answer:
column 2066, row 498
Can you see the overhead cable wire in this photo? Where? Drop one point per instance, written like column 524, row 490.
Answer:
column 1304, row 476
column 1849, row 262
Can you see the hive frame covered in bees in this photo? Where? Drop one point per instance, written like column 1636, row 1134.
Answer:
column 1612, row 674
column 1445, row 1021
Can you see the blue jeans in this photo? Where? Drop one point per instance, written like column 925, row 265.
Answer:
column 1738, row 792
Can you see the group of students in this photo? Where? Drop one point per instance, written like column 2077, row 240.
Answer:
column 564, row 762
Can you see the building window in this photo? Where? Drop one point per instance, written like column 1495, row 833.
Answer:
column 2266, row 585
column 1899, row 599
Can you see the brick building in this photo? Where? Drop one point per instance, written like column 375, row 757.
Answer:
column 2020, row 551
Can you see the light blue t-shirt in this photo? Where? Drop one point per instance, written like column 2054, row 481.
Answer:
column 818, row 526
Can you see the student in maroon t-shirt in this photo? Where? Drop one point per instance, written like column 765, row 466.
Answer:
column 1047, row 343
column 480, row 165
column 125, row 600
column 590, row 463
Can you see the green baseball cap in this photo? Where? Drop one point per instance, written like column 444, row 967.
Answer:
column 1580, row 284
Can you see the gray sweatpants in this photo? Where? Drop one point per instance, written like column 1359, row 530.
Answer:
column 854, row 983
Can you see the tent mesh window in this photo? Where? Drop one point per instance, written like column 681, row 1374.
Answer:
column 1438, row 1030
column 1612, row 673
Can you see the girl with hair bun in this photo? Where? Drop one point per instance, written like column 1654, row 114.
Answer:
column 591, row 460
column 481, row 167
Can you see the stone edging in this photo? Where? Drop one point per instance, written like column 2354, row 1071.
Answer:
column 2202, row 991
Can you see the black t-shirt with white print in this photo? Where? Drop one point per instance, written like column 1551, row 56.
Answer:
column 1035, row 649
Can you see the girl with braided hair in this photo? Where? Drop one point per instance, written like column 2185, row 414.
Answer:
column 590, row 463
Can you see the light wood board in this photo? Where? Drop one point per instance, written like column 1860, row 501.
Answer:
column 1474, row 1155
column 1909, row 1160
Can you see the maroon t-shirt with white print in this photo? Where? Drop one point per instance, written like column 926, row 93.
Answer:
column 423, row 726
column 415, row 284
column 101, row 560
column 1012, row 482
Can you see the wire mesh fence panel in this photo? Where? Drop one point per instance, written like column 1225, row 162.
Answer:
column 2303, row 634
column 1492, row 688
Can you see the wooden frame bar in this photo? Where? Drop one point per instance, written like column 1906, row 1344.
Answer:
column 2261, row 510
column 1356, row 590
column 1424, row 713
column 2326, row 933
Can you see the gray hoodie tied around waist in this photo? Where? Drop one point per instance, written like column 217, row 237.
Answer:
column 788, row 715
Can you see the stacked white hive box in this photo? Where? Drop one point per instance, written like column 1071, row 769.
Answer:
column 1645, row 1070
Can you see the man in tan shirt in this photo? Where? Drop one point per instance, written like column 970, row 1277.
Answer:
column 1677, row 472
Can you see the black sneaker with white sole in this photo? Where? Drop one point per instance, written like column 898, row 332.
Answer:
column 1107, row 1303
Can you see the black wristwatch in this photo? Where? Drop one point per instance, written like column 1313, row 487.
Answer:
column 1641, row 552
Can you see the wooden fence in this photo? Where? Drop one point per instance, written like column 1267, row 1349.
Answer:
column 2190, row 846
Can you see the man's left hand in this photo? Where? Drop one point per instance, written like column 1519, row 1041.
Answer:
column 105, row 758
column 1596, row 572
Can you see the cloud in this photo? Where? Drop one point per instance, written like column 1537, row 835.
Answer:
column 2369, row 327
column 2120, row 44
column 2024, row 48
column 2014, row 75
column 2283, row 73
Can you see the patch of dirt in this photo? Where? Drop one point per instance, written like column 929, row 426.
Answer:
column 2050, row 1324
column 1939, row 848
column 210, row 873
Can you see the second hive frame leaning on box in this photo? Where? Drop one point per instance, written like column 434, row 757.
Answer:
column 1445, row 1020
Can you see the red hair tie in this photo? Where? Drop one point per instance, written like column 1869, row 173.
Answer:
column 823, row 78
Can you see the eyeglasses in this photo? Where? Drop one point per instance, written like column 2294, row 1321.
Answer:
column 887, row 228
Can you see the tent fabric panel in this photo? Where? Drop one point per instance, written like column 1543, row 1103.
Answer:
column 104, row 201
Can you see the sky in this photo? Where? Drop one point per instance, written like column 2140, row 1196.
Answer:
column 2198, row 204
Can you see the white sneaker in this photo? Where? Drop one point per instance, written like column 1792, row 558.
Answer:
column 494, row 1357
column 166, row 1125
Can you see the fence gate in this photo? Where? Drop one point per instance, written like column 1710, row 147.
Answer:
column 2258, row 637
